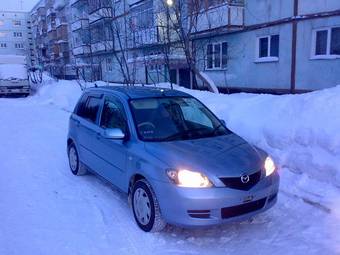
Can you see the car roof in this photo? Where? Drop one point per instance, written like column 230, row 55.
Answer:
column 136, row 92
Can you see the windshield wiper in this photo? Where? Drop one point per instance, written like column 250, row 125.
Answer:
column 173, row 136
column 216, row 128
column 187, row 133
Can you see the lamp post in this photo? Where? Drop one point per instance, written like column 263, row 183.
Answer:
column 169, row 3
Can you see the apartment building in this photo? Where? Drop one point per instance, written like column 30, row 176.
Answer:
column 283, row 46
column 15, row 34
column 51, row 34
column 278, row 46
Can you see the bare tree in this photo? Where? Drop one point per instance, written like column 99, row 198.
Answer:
column 111, row 35
column 182, row 19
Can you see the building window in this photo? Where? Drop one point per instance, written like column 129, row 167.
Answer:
column 155, row 68
column 19, row 45
column 268, row 48
column 17, row 22
column 109, row 67
column 326, row 43
column 217, row 55
column 3, row 45
column 17, row 34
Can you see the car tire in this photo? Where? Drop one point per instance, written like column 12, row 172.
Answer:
column 143, row 193
column 76, row 166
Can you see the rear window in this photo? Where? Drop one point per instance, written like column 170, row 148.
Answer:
column 89, row 109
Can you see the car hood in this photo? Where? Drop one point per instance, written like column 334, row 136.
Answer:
column 222, row 156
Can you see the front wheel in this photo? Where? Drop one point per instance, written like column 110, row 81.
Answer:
column 146, row 208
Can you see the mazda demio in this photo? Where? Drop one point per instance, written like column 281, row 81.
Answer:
column 178, row 163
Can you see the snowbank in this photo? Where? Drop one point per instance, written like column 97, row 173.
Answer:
column 210, row 81
column 299, row 131
column 63, row 94
column 45, row 206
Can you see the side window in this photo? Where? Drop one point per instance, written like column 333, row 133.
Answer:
column 113, row 115
column 89, row 109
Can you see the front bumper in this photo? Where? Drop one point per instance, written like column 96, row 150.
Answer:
column 190, row 207
column 14, row 90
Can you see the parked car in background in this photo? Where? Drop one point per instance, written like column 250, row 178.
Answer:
column 14, row 76
column 175, row 159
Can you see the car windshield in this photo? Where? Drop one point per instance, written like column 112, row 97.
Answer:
column 174, row 118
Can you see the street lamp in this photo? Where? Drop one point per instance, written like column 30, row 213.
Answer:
column 169, row 3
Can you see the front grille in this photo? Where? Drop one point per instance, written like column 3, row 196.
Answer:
column 238, row 210
column 236, row 183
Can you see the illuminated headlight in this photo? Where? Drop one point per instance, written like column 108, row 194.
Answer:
column 269, row 166
column 189, row 179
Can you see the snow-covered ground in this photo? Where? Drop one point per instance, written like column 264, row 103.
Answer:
column 44, row 209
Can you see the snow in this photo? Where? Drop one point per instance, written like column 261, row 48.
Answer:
column 13, row 71
column 210, row 81
column 12, row 59
column 44, row 209
column 58, row 4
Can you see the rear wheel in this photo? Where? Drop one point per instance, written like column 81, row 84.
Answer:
column 77, row 168
column 146, row 208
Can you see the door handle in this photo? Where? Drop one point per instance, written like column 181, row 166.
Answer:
column 98, row 135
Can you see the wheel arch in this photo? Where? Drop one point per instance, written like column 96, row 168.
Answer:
column 69, row 142
column 133, row 179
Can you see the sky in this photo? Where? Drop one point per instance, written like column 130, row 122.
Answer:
column 25, row 5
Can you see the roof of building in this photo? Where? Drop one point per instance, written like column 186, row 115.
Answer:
column 135, row 92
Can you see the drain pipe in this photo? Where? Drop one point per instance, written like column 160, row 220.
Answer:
column 294, row 45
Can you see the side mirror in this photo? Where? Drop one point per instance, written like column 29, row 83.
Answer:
column 114, row 133
column 223, row 122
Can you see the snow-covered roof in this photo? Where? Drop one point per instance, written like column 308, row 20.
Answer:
column 13, row 71
column 12, row 59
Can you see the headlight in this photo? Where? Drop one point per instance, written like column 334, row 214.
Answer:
column 189, row 179
column 269, row 166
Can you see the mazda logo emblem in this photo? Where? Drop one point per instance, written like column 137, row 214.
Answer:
column 245, row 178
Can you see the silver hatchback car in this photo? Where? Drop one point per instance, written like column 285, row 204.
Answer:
column 178, row 163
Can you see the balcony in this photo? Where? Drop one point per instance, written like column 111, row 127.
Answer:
column 101, row 13
column 51, row 28
column 80, row 24
column 102, row 46
column 52, row 35
column 41, row 18
column 228, row 14
column 145, row 36
column 50, row 11
column 61, row 22
column 81, row 50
